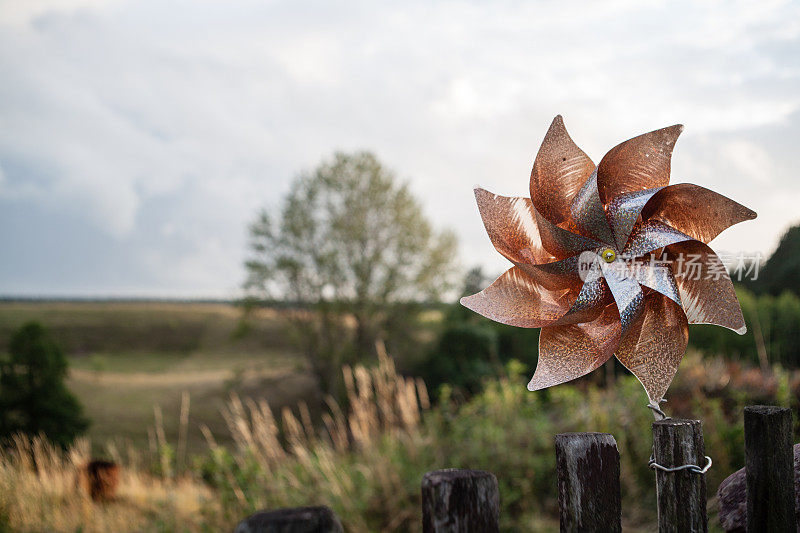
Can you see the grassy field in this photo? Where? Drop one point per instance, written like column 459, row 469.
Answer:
column 128, row 357
column 364, row 458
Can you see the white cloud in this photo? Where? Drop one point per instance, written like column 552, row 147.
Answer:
column 163, row 125
column 22, row 12
column 752, row 161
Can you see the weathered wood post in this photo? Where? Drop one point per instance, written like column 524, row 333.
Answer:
column 769, row 469
column 681, row 494
column 292, row 520
column 463, row 501
column 588, row 482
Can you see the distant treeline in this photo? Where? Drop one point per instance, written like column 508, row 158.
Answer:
column 111, row 327
column 780, row 273
column 773, row 331
column 771, row 308
column 115, row 299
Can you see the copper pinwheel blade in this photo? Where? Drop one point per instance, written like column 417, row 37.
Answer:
column 696, row 211
column 705, row 287
column 588, row 215
column 518, row 299
column 562, row 242
column 525, row 296
column 585, row 271
column 654, row 346
column 567, row 352
column 637, row 164
column 559, row 171
column 512, row 228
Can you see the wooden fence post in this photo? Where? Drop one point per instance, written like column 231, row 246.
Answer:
column 588, row 482
column 292, row 520
column 461, row 501
column 769, row 469
column 681, row 495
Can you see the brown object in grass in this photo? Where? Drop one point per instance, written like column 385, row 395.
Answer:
column 103, row 478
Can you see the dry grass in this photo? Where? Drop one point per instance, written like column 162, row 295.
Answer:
column 41, row 487
column 300, row 463
column 381, row 402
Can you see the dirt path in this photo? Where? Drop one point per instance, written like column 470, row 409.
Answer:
column 182, row 378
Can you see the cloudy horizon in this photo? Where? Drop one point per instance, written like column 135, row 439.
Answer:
column 138, row 139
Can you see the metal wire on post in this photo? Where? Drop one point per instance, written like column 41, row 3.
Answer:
column 657, row 412
column 692, row 468
column 680, row 483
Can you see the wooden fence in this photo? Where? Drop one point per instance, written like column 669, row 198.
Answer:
column 587, row 464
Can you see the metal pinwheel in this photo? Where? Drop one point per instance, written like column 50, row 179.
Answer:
column 602, row 258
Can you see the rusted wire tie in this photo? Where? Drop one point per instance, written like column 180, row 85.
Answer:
column 691, row 468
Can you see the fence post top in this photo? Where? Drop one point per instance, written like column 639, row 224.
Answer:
column 583, row 441
column 676, row 422
column 460, row 500
column 765, row 410
column 435, row 477
column 584, row 434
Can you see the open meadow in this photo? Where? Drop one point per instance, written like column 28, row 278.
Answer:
column 127, row 358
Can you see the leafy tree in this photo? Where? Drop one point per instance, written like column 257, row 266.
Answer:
column 779, row 274
column 33, row 397
column 352, row 249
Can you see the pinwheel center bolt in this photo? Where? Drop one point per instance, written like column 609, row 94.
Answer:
column 608, row 255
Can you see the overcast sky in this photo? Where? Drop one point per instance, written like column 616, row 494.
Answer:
column 138, row 139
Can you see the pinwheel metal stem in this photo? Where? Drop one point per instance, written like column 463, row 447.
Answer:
column 600, row 255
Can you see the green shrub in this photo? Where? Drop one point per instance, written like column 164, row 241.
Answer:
column 773, row 320
column 464, row 355
column 33, row 397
